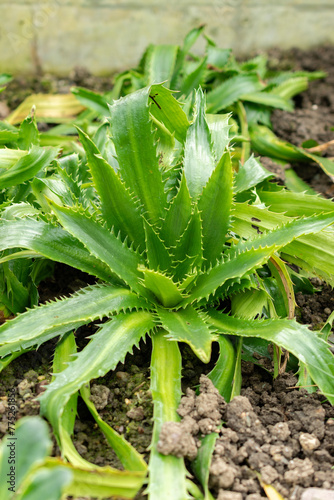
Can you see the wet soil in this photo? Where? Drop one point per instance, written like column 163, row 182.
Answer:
column 284, row 433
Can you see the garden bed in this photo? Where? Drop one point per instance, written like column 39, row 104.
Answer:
column 283, row 423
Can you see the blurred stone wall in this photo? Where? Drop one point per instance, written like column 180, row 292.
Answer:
column 108, row 35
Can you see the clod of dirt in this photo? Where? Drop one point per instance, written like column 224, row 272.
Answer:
column 175, row 439
column 136, row 414
column 201, row 415
column 99, row 395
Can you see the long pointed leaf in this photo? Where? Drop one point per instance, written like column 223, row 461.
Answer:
column 167, row 110
column 215, row 207
column 103, row 244
column 163, row 287
column 108, row 347
column 53, row 243
column 127, row 454
column 27, row 166
column 235, row 267
column 303, row 343
column 117, row 205
column 312, row 252
column 189, row 249
column 159, row 63
column 177, row 216
column 188, row 325
column 136, row 152
column 231, row 90
column 158, row 256
column 198, row 157
column 54, row 318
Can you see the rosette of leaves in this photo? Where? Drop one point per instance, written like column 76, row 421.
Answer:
column 167, row 242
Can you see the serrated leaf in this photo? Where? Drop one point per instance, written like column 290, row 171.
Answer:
column 58, row 317
column 118, row 207
column 136, row 152
column 235, row 267
column 291, row 87
column 166, row 109
column 157, row 254
column 268, row 99
column 295, row 204
column 53, row 243
column 290, row 231
column 27, row 166
column 231, row 90
column 188, row 325
column 219, row 129
column 178, row 215
column 189, row 249
column 250, row 174
column 313, row 252
column 92, row 100
column 215, row 205
column 103, row 244
column 303, row 343
column 54, row 189
column 107, row 347
column 162, row 286
column 198, row 162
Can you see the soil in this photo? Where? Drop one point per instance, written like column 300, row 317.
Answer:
column 273, row 428
column 313, row 117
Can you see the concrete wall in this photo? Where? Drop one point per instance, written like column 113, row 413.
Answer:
column 107, row 35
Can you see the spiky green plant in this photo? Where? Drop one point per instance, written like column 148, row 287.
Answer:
column 166, row 240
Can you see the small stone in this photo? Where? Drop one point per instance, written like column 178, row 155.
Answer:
column 3, row 407
column 327, row 311
column 136, row 414
column 317, row 494
column 309, row 442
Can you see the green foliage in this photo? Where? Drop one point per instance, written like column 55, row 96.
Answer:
column 155, row 204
